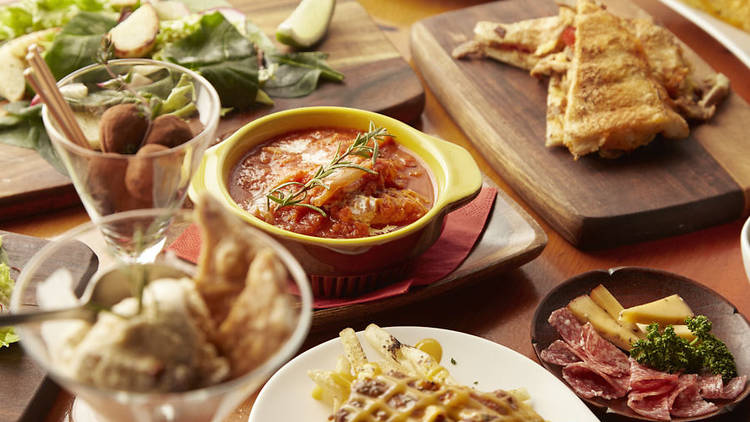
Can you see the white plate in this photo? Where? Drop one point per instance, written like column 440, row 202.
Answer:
column 286, row 396
column 734, row 39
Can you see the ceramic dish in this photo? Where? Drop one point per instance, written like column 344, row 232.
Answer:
column 479, row 362
column 633, row 286
column 341, row 267
column 734, row 39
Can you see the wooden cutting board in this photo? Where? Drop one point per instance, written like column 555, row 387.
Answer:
column 376, row 78
column 24, row 384
column 663, row 189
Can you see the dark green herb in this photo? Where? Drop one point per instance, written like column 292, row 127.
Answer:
column 453, row 361
column 223, row 56
column 360, row 147
column 78, row 43
column 667, row 352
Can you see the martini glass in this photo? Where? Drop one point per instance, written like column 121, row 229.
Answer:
column 84, row 254
column 109, row 182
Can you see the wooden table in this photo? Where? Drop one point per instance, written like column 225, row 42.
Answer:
column 500, row 308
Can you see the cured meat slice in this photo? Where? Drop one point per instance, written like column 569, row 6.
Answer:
column 567, row 326
column 588, row 382
column 687, row 401
column 711, row 386
column 734, row 387
column 644, row 379
column 603, row 354
column 655, row 406
column 559, row 353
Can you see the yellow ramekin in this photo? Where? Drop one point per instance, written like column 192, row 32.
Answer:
column 341, row 267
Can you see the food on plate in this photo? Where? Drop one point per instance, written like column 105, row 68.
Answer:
column 613, row 83
column 178, row 334
column 735, row 12
column 333, row 182
column 664, row 375
column 7, row 334
column 585, row 309
column 668, row 310
column 233, row 54
column 602, row 297
column 681, row 330
column 409, row 385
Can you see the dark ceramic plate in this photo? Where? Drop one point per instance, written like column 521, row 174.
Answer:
column 633, row 286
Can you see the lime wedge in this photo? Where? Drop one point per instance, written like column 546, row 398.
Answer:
column 307, row 24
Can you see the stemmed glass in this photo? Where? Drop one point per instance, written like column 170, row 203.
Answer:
column 109, row 182
column 86, row 254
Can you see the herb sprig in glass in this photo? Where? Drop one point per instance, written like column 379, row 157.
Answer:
column 360, row 147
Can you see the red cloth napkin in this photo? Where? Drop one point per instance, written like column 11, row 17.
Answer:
column 461, row 231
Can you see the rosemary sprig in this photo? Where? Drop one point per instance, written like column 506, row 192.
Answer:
column 359, row 148
column 105, row 53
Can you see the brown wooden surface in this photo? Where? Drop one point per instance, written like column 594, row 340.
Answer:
column 500, row 306
column 592, row 202
column 27, row 392
column 376, row 78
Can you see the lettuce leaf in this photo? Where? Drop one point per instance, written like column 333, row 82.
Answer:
column 78, row 42
column 33, row 15
column 223, row 56
column 7, row 334
column 23, row 127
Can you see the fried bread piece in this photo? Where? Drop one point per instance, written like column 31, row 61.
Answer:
column 614, row 103
column 244, row 287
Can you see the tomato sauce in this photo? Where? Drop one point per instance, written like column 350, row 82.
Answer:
column 353, row 203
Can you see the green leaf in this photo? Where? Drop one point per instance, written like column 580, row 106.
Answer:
column 78, row 42
column 298, row 74
column 223, row 56
column 7, row 336
column 198, row 5
column 23, row 127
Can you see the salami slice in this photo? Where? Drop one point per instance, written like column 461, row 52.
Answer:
column 643, row 379
column 711, row 386
column 567, row 326
column 687, row 401
column 559, row 353
column 605, row 355
column 654, row 406
column 734, row 387
column 588, row 382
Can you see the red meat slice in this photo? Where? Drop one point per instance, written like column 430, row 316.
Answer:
column 588, row 382
column 655, row 406
column 686, row 399
column 559, row 353
column 734, row 387
column 567, row 326
column 711, row 386
column 605, row 355
column 643, row 379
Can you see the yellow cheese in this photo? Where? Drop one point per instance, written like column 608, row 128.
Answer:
column 681, row 331
column 602, row 297
column 668, row 310
column 587, row 311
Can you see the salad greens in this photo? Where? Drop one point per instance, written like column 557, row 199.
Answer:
column 239, row 60
column 7, row 334
column 667, row 352
column 27, row 16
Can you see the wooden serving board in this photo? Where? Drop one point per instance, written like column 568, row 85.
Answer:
column 26, row 392
column 663, row 189
column 510, row 239
column 376, row 78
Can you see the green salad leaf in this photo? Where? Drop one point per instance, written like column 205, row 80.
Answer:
column 78, row 42
column 27, row 16
column 7, row 334
column 223, row 56
column 23, row 127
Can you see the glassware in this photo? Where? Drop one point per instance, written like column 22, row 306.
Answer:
column 87, row 244
column 109, row 182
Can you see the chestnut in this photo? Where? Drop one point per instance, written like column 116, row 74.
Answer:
column 122, row 128
column 168, row 130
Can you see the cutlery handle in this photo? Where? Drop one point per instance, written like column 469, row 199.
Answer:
column 29, row 317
